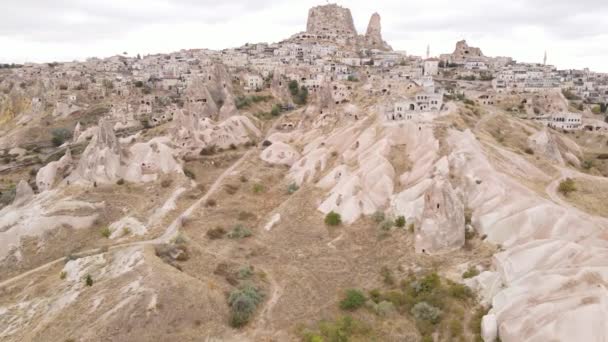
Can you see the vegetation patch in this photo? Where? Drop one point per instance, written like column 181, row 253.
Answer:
column 243, row 303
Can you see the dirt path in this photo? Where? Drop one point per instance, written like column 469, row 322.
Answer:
column 171, row 231
column 552, row 192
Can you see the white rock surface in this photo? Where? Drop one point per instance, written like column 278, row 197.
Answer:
column 489, row 328
column 53, row 172
column 280, row 153
column 442, row 227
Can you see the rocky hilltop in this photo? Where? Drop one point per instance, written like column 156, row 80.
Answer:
column 330, row 19
column 335, row 23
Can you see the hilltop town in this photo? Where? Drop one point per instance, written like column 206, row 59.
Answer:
column 322, row 188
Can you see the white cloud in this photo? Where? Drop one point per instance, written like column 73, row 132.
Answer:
column 40, row 30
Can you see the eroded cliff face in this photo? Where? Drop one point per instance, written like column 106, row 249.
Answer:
column 463, row 50
column 373, row 36
column 442, row 228
column 330, row 19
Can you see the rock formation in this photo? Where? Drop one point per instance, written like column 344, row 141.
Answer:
column 54, row 171
column 463, row 50
column 101, row 160
column 373, row 36
column 23, row 193
column 330, row 20
column 544, row 144
column 442, row 228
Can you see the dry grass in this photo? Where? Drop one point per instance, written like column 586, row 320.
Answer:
column 590, row 196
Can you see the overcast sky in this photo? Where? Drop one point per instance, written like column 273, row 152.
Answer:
column 574, row 33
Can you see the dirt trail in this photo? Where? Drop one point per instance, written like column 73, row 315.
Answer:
column 169, row 233
column 551, row 191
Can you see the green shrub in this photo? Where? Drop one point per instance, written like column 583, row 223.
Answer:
column 63, row 275
column 276, row 110
column 567, row 186
column 106, row 232
column 88, row 280
column 302, row 96
column 400, row 222
column 352, row 300
column 343, row 329
column 239, row 232
column 293, row 87
column 189, row 173
column 384, row 308
column 60, row 135
column 426, row 312
column 120, row 182
column 8, row 196
column 529, row 150
column 292, row 188
column 243, row 303
column 245, row 272
column 471, row 272
column 427, row 284
column 375, row 295
column 258, row 188
column 333, row 219
column 459, row 291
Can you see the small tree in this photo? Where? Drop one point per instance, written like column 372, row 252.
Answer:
column 60, row 135
column 333, row 219
column 293, row 87
column 353, row 300
column 426, row 312
column 243, row 303
column 106, row 232
column 88, row 280
column 567, row 186
column 276, row 110
column 400, row 222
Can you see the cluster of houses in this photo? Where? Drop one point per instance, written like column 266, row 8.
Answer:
column 157, row 85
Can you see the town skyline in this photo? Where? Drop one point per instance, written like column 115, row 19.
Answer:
column 161, row 28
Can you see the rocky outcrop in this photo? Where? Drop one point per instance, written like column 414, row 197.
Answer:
column 280, row 153
column 54, row 171
column 373, row 36
column 23, row 193
column 330, row 20
column 544, row 144
column 442, row 227
column 463, row 51
column 552, row 273
column 193, row 132
column 101, row 161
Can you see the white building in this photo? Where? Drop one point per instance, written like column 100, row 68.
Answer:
column 431, row 67
column 563, row 121
column 253, row 82
column 424, row 106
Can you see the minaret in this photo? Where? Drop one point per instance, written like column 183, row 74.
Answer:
column 545, row 58
column 428, row 51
